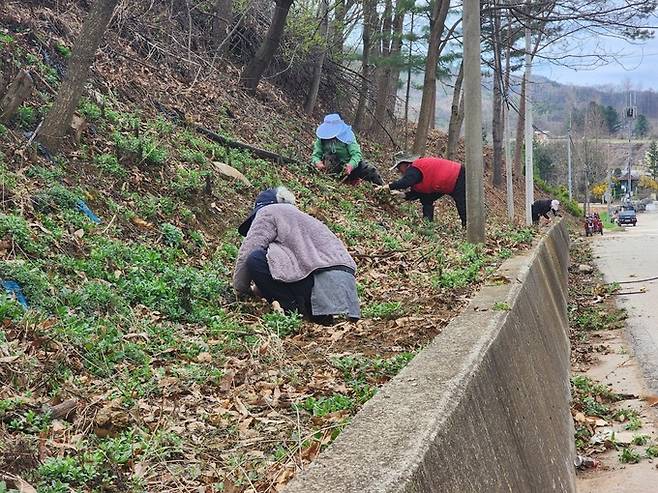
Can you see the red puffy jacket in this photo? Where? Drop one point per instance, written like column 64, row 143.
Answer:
column 439, row 175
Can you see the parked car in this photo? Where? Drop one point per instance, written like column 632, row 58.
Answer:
column 627, row 216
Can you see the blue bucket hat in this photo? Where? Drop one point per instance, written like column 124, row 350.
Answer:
column 333, row 126
column 267, row 197
column 347, row 135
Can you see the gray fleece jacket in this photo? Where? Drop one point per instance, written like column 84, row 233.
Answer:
column 296, row 244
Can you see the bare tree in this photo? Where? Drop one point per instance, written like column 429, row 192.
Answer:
column 389, row 64
column 369, row 19
column 456, row 114
column 439, row 14
column 254, row 70
column 497, row 124
column 320, row 54
column 222, row 23
column 59, row 117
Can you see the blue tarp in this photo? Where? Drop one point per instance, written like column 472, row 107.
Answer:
column 84, row 208
column 13, row 288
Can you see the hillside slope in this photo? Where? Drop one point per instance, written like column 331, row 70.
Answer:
column 135, row 367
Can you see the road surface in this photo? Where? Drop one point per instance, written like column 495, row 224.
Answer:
column 630, row 365
column 632, row 255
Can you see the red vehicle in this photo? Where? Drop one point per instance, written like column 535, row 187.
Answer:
column 593, row 224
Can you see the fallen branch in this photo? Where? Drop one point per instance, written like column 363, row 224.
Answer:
column 623, row 293
column 63, row 410
column 179, row 116
column 256, row 151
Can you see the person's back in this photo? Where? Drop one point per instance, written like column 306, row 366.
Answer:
column 439, row 175
column 297, row 244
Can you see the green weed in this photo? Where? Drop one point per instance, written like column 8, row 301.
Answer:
column 26, row 116
column 652, row 451
column 140, row 149
column 502, row 306
column 30, row 422
column 325, row 405
column 192, row 156
column 63, row 50
column 387, row 310
column 10, row 309
column 634, row 423
column 172, row 235
column 640, row 440
column 629, row 456
column 17, row 229
column 188, row 181
column 110, row 165
column 593, row 318
column 283, row 325
column 90, row 110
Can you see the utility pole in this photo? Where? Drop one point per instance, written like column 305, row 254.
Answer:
column 569, row 164
column 508, row 166
column 473, row 123
column 529, row 180
column 630, row 116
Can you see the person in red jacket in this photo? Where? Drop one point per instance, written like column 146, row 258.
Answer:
column 429, row 178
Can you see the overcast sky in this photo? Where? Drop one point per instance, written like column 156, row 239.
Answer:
column 635, row 62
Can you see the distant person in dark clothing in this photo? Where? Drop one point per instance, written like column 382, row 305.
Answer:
column 337, row 152
column 541, row 208
column 429, row 178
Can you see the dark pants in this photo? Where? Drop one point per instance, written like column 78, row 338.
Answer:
column 365, row 171
column 458, row 194
column 293, row 296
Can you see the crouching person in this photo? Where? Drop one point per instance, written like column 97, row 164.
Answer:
column 294, row 259
column 429, row 178
column 337, row 152
column 541, row 208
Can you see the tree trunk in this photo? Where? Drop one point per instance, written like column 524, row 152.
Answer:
column 312, row 96
column 432, row 123
column 439, row 13
column 253, row 72
column 383, row 71
column 368, row 14
column 222, row 24
column 497, row 120
column 338, row 30
column 58, row 119
column 455, row 125
column 396, row 49
column 520, row 127
column 17, row 92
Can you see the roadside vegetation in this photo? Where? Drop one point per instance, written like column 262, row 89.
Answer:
column 596, row 407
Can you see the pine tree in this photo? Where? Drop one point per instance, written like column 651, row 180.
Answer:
column 642, row 126
column 651, row 159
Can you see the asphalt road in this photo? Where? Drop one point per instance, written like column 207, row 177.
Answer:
column 632, row 255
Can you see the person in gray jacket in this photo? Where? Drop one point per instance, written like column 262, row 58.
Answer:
column 294, row 259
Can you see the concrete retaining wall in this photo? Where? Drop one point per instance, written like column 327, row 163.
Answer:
column 484, row 408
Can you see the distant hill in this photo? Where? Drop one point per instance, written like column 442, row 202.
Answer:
column 552, row 102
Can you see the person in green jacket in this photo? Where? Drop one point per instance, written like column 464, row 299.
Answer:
column 337, row 152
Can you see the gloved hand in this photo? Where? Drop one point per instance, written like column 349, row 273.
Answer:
column 348, row 169
column 320, row 166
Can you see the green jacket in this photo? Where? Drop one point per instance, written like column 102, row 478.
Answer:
column 346, row 153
